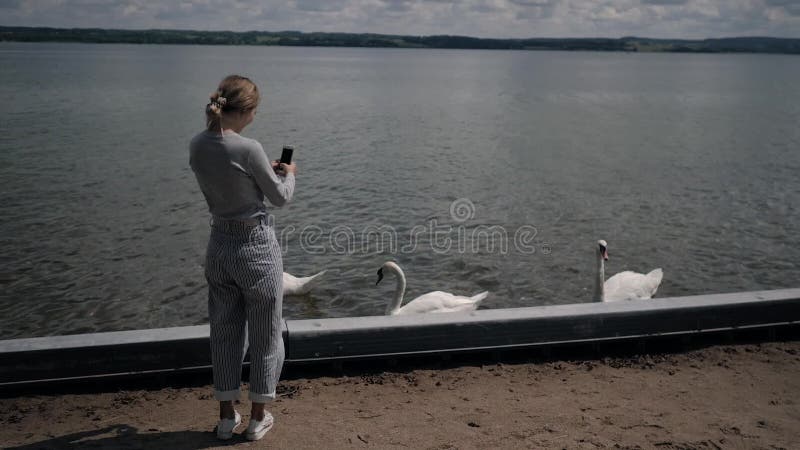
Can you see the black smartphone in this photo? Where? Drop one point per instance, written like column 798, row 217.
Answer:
column 286, row 155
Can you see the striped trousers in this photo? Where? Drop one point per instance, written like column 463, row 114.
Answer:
column 244, row 270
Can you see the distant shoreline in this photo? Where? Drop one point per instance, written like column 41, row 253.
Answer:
column 319, row 39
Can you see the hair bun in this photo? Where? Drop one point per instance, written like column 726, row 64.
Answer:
column 214, row 108
column 218, row 100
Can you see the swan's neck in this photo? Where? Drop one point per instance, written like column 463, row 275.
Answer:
column 600, row 280
column 399, row 291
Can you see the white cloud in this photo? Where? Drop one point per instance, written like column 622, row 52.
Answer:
column 483, row 18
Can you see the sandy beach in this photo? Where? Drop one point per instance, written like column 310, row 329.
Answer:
column 725, row 396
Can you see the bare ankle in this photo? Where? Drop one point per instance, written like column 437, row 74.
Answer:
column 226, row 410
column 257, row 411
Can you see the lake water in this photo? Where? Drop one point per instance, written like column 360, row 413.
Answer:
column 680, row 161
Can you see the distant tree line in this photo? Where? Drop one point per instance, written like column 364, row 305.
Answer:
column 296, row 38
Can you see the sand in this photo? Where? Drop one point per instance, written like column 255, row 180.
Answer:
column 729, row 396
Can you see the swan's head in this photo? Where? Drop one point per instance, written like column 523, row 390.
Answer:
column 602, row 249
column 391, row 267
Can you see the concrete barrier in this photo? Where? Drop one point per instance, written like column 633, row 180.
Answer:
column 87, row 356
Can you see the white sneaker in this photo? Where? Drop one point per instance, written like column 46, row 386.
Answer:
column 257, row 429
column 225, row 427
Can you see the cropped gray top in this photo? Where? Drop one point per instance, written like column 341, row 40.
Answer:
column 235, row 175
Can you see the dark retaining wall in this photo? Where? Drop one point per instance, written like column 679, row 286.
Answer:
column 167, row 350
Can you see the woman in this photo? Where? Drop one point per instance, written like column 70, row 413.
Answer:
column 244, row 268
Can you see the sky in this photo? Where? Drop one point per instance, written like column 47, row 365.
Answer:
column 691, row 19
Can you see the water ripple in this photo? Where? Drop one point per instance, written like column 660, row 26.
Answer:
column 680, row 162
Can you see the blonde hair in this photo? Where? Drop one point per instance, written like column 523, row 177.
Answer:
column 234, row 94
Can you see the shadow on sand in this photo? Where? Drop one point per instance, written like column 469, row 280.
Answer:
column 128, row 437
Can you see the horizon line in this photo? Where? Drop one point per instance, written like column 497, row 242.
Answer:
column 405, row 35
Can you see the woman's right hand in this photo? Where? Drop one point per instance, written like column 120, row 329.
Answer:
column 288, row 168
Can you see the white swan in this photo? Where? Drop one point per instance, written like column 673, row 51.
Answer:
column 293, row 285
column 432, row 302
column 624, row 285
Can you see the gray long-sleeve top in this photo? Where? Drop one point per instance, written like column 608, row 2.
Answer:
column 235, row 175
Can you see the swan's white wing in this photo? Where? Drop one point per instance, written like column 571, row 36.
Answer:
column 299, row 286
column 438, row 302
column 290, row 284
column 632, row 286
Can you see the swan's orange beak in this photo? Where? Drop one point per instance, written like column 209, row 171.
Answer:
column 605, row 254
